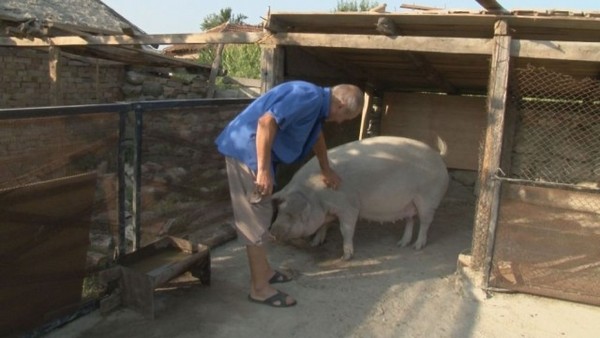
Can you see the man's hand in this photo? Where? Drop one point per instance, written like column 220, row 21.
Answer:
column 264, row 182
column 331, row 178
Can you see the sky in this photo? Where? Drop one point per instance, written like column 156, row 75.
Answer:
column 185, row 16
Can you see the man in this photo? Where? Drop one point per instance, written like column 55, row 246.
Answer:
column 281, row 126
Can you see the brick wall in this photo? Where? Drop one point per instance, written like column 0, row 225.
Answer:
column 24, row 80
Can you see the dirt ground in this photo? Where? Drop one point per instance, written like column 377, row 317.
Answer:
column 385, row 291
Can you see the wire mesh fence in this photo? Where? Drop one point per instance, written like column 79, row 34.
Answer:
column 557, row 138
column 549, row 214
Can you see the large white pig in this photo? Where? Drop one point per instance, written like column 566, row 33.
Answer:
column 384, row 179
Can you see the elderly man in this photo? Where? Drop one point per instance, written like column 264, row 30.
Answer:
column 281, row 126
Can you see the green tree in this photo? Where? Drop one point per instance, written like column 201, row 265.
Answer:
column 355, row 5
column 237, row 60
column 224, row 15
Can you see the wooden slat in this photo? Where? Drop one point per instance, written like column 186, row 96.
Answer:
column 454, row 123
column 44, row 237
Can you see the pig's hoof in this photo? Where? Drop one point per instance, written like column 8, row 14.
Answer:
column 317, row 242
column 403, row 243
column 419, row 245
column 347, row 256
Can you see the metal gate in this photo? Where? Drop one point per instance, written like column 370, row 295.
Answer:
column 548, row 230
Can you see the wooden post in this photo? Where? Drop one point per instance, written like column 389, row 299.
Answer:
column 486, row 212
column 272, row 68
column 98, row 99
column 365, row 114
column 214, row 71
column 53, row 69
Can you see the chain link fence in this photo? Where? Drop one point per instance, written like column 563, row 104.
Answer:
column 558, row 136
column 548, row 225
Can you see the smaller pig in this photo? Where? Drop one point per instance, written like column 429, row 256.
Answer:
column 384, row 179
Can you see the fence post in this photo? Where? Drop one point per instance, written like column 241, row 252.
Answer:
column 122, row 244
column 137, row 176
column 486, row 212
column 271, row 67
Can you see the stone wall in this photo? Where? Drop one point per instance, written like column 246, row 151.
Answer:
column 25, row 81
column 142, row 85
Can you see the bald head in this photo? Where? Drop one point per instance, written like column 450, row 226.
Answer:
column 347, row 102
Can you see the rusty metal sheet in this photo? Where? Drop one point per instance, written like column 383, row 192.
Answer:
column 547, row 250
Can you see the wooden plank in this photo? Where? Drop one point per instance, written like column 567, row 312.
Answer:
column 157, row 263
column 121, row 40
column 401, row 43
column 44, row 238
column 271, row 67
column 489, row 189
column 556, row 50
column 451, row 123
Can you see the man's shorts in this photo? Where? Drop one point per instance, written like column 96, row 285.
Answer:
column 252, row 212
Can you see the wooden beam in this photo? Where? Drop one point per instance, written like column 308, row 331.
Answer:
column 402, row 43
column 538, row 49
column 492, row 6
column 114, row 40
column 419, row 7
column 214, row 71
column 486, row 211
column 344, row 66
column 556, row 50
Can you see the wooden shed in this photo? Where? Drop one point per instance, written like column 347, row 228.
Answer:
column 513, row 96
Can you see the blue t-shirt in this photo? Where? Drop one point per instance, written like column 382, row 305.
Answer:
column 299, row 108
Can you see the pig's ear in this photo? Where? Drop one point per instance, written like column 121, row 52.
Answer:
column 277, row 199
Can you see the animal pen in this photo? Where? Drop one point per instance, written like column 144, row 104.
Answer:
column 512, row 97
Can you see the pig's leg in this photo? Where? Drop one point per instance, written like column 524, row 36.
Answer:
column 408, row 213
column 347, row 226
column 425, row 218
column 319, row 236
column 408, row 232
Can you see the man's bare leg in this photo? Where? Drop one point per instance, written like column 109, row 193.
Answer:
column 260, row 273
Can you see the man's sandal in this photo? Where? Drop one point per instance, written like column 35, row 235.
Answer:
column 277, row 300
column 279, row 277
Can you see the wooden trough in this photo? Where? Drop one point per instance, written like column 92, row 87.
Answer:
column 156, row 264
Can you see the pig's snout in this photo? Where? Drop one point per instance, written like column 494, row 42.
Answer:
column 278, row 232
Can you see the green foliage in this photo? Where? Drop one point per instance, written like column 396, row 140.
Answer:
column 238, row 60
column 355, row 5
column 242, row 60
column 224, row 15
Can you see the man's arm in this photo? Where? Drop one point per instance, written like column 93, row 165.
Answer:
column 265, row 135
column 330, row 177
